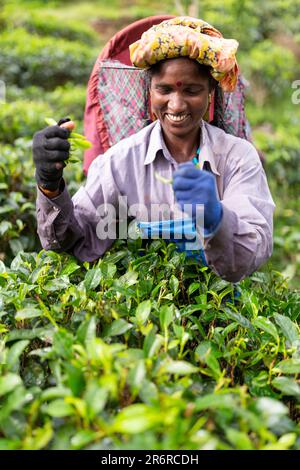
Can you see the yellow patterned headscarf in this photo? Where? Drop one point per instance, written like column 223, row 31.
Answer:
column 188, row 37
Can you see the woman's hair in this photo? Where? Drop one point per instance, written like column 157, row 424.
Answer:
column 204, row 70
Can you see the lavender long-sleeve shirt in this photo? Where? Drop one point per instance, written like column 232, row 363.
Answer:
column 126, row 172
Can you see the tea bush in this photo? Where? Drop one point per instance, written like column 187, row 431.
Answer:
column 271, row 66
column 41, row 24
column 26, row 109
column 21, row 119
column 68, row 99
column 17, row 200
column 145, row 349
column 26, row 59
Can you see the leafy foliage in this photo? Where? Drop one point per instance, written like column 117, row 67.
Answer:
column 21, row 118
column 144, row 344
column 64, row 100
column 38, row 23
column 26, row 60
column 144, row 348
column 17, row 197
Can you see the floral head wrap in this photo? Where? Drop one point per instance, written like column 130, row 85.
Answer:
column 188, row 37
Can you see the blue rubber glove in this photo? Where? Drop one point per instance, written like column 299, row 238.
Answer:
column 194, row 186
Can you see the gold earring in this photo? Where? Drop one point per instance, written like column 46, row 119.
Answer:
column 209, row 98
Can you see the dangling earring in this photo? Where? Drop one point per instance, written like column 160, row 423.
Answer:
column 209, row 98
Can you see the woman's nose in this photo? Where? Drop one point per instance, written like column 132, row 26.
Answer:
column 176, row 103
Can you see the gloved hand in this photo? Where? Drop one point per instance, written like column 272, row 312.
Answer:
column 194, row 186
column 50, row 150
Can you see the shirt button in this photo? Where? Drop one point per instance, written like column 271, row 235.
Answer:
column 54, row 242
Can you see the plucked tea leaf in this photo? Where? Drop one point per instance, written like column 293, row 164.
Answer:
column 163, row 179
column 50, row 122
column 80, row 143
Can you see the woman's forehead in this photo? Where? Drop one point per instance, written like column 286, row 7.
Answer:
column 180, row 71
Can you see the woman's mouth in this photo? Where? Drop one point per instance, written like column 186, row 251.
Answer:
column 177, row 118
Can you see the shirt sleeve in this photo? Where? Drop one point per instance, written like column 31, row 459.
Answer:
column 79, row 224
column 244, row 239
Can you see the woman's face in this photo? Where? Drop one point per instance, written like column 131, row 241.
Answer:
column 179, row 97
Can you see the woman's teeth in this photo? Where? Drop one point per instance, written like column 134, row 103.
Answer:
column 176, row 118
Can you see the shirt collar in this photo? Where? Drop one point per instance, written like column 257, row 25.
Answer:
column 156, row 143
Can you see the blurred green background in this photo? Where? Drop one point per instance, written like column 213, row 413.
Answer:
column 47, row 51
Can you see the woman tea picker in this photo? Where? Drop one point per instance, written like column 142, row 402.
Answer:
column 186, row 59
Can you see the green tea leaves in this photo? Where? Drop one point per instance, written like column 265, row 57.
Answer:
column 267, row 326
column 163, row 179
column 77, row 141
column 136, row 419
column 288, row 328
column 50, row 122
column 118, row 327
column 287, row 386
column 8, row 383
column 133, row 346
column 143, row 311
column 27, row 313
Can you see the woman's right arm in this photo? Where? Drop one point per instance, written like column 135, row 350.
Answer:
column 74, row 225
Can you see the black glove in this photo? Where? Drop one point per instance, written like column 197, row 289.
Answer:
column 50, row 149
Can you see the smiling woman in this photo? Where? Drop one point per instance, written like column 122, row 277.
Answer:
column 223, row 199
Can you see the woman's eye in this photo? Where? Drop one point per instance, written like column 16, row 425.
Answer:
column 193, row 92
column 165, row 91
